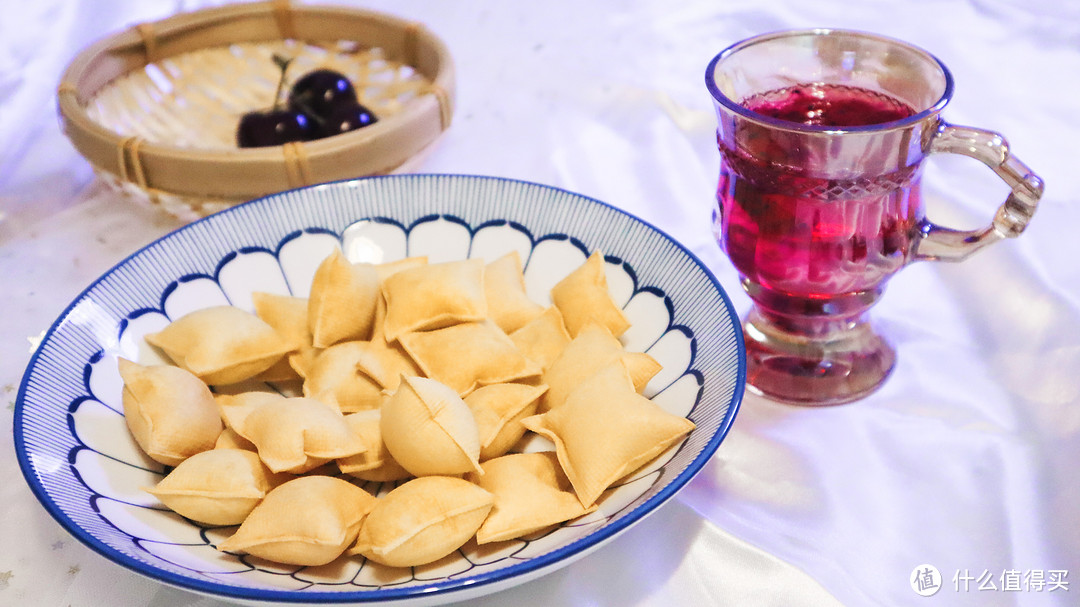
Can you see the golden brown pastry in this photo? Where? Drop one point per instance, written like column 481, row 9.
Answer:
column 335, row 378
column 606, row 430
column 583, row 298
column 543, row 338
column 233, row 408
column 433, row 296
column 593, row 349
column 422, row 521
column 309, row 520
column 221, row 344
column 385, row 363
column 170, row 412
column 429, row 429
column 289, row 317
column 531, row 493
column 374, row 464
column 229, row 439
column 298, row 434
column 468, row 355
column 217, row 487
column 504, row 288
column 499, row 409
column 341, row 306
column 389, row 268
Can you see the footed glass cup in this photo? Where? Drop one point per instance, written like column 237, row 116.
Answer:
column 822, row 135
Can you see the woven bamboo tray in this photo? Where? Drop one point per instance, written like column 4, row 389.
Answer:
column 154, row 109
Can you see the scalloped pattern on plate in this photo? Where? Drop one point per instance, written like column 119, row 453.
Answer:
column 81, row 462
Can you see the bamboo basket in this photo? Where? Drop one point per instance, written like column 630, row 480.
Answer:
column 154, row 109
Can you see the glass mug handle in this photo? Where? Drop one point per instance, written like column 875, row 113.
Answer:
column 945, row 244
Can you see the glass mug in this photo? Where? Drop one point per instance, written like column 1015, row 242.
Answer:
column 822, row 134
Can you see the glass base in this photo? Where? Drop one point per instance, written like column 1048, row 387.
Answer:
column 834, row 361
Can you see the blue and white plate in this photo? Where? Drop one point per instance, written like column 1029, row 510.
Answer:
column 80, row 460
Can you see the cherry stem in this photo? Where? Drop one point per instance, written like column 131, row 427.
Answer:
column 283, row 63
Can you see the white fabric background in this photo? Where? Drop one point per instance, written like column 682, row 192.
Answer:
column 967, row 459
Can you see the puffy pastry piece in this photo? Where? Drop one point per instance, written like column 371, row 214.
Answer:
column 583, row 298
column 170, row 412
column 422, row 521
column 221, row 344
column 504, row 288
column 335, row 378
column 531, row 493
column 217, row 487
column 433, row 296
column 468, row 355
column 353, row 374
column 593, row 349
column 389, row 268
column 606, row 430
column 499, row 409
column 379, row 363
column 429, row 429
column 378, row 329
column 543, row 338
column 289, row 317
column 298, row 434
column 234, row 408
column 341, row 305
column 375, row 464
column 302, row 361
column 386, row 270
column 229, row 439
column 385, row 363
column 281, row 371
column 309, row 520
column 641, row 367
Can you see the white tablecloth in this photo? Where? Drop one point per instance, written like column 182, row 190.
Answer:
column 966, row 460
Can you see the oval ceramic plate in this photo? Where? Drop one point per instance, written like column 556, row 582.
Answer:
column 78, row 457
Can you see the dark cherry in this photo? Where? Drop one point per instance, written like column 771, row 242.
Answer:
column 320, row 92
column 320, row 104
column 345, row 118
column 276, row 126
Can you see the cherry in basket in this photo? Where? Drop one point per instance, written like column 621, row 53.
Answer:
column 322, row 103
column 329, row 99
column 276, row 125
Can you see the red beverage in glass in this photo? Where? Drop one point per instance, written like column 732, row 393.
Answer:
column 787, row 230
column 818, row 200
column 829, row 105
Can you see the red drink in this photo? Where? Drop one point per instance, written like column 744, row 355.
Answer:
column 790, row 232
column 818, row 202
column 815, row 251
column 829, row 105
